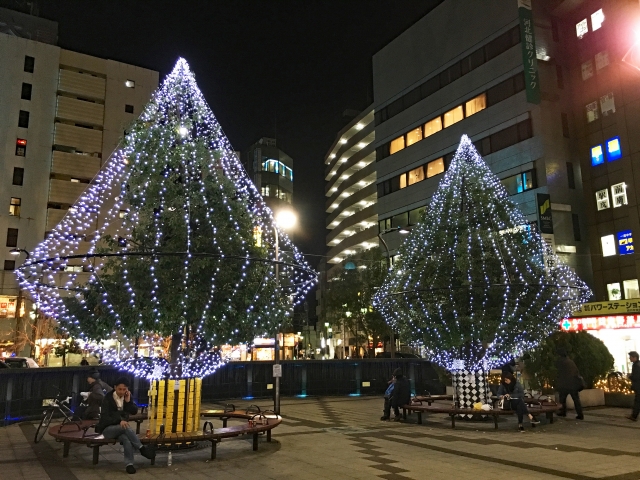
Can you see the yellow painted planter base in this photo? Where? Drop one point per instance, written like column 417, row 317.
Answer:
column 175, row 404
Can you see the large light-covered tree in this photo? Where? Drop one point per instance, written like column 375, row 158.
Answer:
column 172, row 240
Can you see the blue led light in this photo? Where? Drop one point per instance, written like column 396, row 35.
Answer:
column 614, row 151
column 597, row 155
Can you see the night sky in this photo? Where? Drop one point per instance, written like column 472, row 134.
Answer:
column 284, row 68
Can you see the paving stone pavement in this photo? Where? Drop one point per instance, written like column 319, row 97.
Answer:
column 336, row 437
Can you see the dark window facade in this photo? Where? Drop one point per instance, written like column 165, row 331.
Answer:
column 564, row 118
column 18, row 176
column 482, row 55
column 29, row 64
column 485, row 146
column 469, row 107
column 23, row 119
column 128, row 108
column 26, row 91
column 9, row 265
column 576, row 227
column 521, row 182
column 12, row 237
column 571, row 179
column 559, row 77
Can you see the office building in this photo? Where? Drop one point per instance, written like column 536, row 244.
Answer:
column 271, row 170
column 63, row 114
column 351, row 190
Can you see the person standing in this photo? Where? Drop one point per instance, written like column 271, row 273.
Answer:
column 568, row 382
column 114, row 416
column 84, row 361
column 634, row 376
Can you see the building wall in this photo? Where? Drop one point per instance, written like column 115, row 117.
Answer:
column 77, row 116
column 350, row 190
column 423, row 53
column 619, row 76
column 276, row 188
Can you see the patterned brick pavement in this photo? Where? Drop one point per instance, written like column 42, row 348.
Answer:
column 328, row 438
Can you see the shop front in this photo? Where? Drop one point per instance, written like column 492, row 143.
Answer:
column 616, row 323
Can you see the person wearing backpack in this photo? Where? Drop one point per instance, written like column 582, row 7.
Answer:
column 568, row 382
column 634, row 376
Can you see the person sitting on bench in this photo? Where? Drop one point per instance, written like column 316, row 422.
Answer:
column 512, row 394
column 398, row 396
column 113, row 423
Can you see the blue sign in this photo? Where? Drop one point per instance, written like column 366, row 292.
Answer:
column 625, row 242
column 614, row 152
column 597, row 155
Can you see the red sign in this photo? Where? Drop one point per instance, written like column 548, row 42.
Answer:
column 600, row 323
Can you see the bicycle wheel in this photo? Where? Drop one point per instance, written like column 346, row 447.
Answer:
column 44, row 425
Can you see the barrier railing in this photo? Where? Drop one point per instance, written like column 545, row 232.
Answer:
column 22, row 391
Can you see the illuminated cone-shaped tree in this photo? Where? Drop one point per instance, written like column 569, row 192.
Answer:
column 171, row 243
column 475, row 282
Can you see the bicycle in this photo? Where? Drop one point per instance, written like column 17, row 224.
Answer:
column 57, row 405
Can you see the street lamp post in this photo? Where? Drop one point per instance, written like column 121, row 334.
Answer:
column 285, row 219
column 404, row 230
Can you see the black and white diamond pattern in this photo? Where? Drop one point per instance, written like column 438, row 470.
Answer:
column 470, row 387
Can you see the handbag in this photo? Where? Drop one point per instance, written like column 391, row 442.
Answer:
column 501, row 404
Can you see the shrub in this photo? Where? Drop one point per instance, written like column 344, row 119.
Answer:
column 591, row 356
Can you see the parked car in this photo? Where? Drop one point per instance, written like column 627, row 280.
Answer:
column 21, row 362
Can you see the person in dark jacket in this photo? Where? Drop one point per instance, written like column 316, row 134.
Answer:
column 512, row 393
column 568, row 382
column 634, row 376
column 84, row 361
column 401, row 395
column 95, row 395
column 114, row 416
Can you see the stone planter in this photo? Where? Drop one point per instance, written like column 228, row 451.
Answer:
column 618, row 400
column 589, row 397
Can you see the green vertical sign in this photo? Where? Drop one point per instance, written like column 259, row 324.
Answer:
column 528, row 42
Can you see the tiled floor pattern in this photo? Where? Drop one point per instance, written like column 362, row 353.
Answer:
column 327, row 438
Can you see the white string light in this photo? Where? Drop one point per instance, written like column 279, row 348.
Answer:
column 475, row 283
column 186, row 259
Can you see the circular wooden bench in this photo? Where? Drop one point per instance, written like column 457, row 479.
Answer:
column 534, row 409
column 265, row 422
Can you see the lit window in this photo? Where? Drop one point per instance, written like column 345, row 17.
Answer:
column 597, row 18
column 597, row 155
column 416, row 175
column 403, row 180
column 396, row 145
column 528, row 181
column 614, row 152
column 435, row 167
column 73, row 268
column 123, row 213
column 75, row 180
column 613, row 290
column 602, row 199
column 453, row 116
column 21, row 147
column 592, row 112
column 619, row 194
column 14, row 207
column 625, row 242
column 414, row 136
column 607, row 104
column 130, row 84
column 582, row 28
column 265, row 190
column 631, row 289
column 432, row 126
column 587, row 70
column 476, row 104
column 602, row 60
column 608, row 245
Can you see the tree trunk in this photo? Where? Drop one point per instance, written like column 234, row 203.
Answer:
column 176, row 341
column 470, row 387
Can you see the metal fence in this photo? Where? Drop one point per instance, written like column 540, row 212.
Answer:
column 23, row 391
